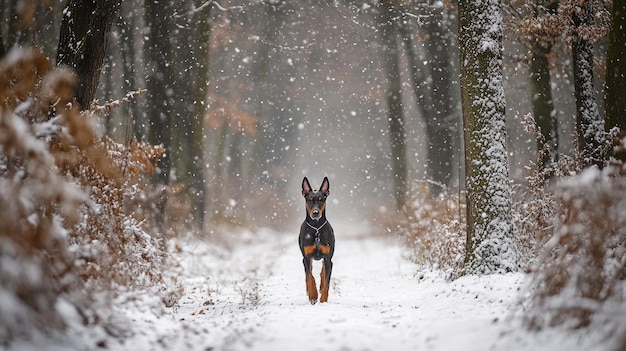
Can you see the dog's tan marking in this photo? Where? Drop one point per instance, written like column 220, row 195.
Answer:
column 323, row 285
column 325, row 249
column 308, row 209
column 311, row 288
column 309, row 250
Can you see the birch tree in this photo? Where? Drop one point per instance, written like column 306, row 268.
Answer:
column 489, row 246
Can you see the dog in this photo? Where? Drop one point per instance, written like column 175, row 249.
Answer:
column 317, row 239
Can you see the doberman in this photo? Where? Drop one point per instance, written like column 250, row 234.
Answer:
column 317, row 239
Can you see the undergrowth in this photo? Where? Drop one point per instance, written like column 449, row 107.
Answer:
column 67, row 234
column 581, row 273
column 580, row 276
column 570, row 227
column 576, row 219
column 434, row 229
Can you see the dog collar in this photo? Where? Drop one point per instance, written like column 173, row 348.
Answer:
column 317, row 230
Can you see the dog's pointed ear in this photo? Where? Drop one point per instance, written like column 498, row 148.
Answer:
column 306, row 187
column 325, row 188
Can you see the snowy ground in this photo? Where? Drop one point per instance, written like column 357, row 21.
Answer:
column 252, row 297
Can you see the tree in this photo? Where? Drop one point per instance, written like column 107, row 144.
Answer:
column 82, row 44
column 417, row 69
column 128, row 26
column 543, row 108
column 272, row 80
column 542, row 38
column 589, row 124
column 200, row 69
column 30, row 23
column 431, row 86
column 539, row 25
column 387, row 18
column 160, row 71
column 442, row 123
column 614, row 101
column 191, row 59
column 489, row 245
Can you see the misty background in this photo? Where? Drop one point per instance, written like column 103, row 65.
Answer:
column 301, row 86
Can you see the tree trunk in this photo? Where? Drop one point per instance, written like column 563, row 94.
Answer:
column 128, row 30
column 20, row 23
column 589, row 124
column 442, row 123
column 160, row 90
column 183, row 32
column 192, row 42
column 489, row 247
column 543, row 108
column 614, row 101
column 272, row 80
column 30, row 24
column 397, row 135
column 82, row 43
column 418, row 79
column 200, row 71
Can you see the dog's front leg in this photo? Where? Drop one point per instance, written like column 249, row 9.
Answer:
column 327, row 268
column 311, row 288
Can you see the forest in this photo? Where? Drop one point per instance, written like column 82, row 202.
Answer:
column 488, row 136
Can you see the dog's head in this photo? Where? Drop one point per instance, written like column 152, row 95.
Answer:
column 315, row 199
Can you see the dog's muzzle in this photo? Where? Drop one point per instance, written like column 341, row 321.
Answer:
column 315, row 214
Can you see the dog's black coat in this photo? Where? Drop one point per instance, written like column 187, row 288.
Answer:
column 317, row 238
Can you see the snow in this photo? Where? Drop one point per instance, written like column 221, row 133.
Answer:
column 251, row 297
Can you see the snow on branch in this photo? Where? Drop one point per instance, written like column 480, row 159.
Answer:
column 105, row 109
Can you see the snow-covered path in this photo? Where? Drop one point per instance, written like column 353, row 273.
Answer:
column 255, row 299
column 252, row 297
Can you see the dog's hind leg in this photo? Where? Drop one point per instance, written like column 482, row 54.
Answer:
column 311, row 288
column 327, row 268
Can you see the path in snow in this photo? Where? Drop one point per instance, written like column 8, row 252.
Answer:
column 252, row 297
column 255, row 299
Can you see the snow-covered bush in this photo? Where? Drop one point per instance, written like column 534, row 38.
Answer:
column 535, row 207
column 37, row 202
column 574, row 234
column 110, row 244
column 65, row 233
column 581, row 275
column 434, row 229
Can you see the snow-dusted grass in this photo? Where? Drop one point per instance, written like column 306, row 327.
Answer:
column 378, row 300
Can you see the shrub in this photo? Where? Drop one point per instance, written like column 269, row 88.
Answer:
column 66, row 232
column 38, row 202
column 582, row 268
column 580, row 275
column 434, row 229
